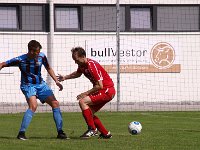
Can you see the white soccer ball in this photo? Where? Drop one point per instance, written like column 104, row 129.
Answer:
column 134, row 127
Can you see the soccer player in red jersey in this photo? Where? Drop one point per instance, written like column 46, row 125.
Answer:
column 94, row 99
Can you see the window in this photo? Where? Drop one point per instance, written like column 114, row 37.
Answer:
column 84, row 17
column 178, row 18
column 8, row 18
column 22, row 17
column 141, row 19
column 102, row 18
column 66, row 18
column 32, row 18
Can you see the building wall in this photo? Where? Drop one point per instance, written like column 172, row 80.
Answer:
column 105, row 1
column 135, row 87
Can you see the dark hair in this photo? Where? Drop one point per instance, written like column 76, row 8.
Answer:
column 34, row 45
column 78, row 50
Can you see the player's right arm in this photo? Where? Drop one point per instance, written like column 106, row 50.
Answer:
column 2, row 65
column 12, row 62
column 73, row 75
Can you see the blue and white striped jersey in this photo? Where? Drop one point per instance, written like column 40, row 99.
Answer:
column 30, row 68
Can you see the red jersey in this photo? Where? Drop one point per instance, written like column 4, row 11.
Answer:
column 95, row 72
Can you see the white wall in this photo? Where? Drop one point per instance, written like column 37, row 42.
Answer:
column 135, row 87
column 138, row 87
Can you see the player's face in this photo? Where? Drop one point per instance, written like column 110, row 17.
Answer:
column 78, row 60
column 35, row 53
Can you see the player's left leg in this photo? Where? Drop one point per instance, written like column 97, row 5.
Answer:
column 88, row 109
column 87, row 112
column 51, row 100
column 46, row 95
column 88, row 116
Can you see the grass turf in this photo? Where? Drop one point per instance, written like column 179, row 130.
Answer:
column 161, row 131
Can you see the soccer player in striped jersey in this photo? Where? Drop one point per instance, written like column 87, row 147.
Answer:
column 33, row 86
column 94, row 99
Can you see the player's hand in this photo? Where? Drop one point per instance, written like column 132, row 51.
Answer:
column 80, row 96
column 60, row 77
column 60, row 86
column 1, row 66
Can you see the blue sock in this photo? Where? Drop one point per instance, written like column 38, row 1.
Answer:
column 26, row 119
column 57, row 118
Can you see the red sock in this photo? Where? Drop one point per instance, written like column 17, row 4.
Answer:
column 87, row 114
column 99, row 125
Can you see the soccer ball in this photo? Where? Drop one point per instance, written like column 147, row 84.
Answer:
column 134, row 127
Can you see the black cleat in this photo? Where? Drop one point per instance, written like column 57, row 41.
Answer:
column 62, row 135
column 21, row 135
column 107, row 136
column 89, row 133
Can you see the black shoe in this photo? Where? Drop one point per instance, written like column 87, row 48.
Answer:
column 21, row 136
column 107, row 136
column 89, row 133
column 62, row 135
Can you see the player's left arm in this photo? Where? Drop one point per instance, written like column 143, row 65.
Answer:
column 51, row 73
column 97, row 76
column 98, row 86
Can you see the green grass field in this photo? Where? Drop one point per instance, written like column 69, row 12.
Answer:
column 161, row 131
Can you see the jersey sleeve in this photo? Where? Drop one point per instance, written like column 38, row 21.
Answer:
column 45, row 61
column 13, row 62
column 95, row 71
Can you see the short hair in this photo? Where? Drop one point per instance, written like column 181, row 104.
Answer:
column 78, row 50
column 34, row 45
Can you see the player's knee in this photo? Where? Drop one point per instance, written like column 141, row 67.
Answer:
column 33, row 108
column 81, row 102
column 85, row 101
column 55, row 104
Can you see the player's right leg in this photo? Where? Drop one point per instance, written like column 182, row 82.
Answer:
column 99, row 101
column 105, row 134
column 29, row 92
column 32, row 103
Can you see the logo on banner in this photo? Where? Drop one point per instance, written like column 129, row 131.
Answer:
column 162, row 55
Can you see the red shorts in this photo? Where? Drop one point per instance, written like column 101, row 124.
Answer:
column 100, row 98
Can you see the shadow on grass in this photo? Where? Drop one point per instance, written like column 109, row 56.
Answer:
column 6, row 137
column 40, row 138
column 187, row 130
column 54, row 138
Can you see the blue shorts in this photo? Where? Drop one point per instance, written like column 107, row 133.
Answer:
column 41, row 91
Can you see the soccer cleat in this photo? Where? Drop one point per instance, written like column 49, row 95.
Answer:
column 89, row 133
column 107, row 136
column 21, row 136
column 62, row 135
column 96, row 132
